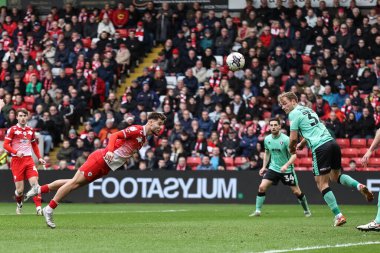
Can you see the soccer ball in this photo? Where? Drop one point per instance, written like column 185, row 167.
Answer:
column 235, row 61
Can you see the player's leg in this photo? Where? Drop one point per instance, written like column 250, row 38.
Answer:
column 260, row 198
column 375, row 224
column 77, row 181
column 301, row 199
column 33, row 181
column 344, row 179
column 53, row 186
column 19, row 195
column 17, row 169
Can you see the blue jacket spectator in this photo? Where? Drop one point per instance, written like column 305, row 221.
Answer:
column 148, row 98
column 205, row 123
column 248, row 143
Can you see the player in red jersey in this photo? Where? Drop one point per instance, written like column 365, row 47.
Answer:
column 121, row 146
column 19, row 142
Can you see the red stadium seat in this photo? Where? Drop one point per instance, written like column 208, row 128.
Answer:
column 343, row 143
column 3, row 132
column 370, row 169
column 284, row 78
column 306, row 162
column 267, row 115
column 29, row 99
column 345, row 162
column 306, row 68
column 229, row 161
column 302, row 153
column 239, row 161
column 69, row 71
column 358, row 161
column 123, row 32
column 297, row 163
column 358, row 143
column 231, row 168
column 350, row 152
column 301, row 168
column 369, row 142
column 363, row 96
column 193, row 161
column 374, row 162
column 362, row 152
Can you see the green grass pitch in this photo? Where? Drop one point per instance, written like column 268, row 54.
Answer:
column 183, row 228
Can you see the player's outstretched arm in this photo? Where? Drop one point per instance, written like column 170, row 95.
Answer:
column 372, row 148
column 293, row 142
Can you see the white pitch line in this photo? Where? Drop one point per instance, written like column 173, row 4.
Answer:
column 321, row 247
column 110, row 212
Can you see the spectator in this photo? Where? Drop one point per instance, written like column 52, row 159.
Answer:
column 46, row 128
column 65, row 151
column 217, row 160
column 205, row 164
column 181, row 165
column 82, row 158
column 366, row 125
column 107, row 130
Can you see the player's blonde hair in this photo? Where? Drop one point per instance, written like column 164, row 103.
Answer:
column 289, row 95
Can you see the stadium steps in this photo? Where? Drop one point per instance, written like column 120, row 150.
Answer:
column 148, row 60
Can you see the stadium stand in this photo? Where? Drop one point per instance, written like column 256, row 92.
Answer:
column 88, row 68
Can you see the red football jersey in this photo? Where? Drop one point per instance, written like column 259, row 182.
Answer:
column 134, row 139
column 21, row 139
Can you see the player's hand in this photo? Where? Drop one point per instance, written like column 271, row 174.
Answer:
column 262, row 171
column 284, row 168
column 365, row 158
column 42, row 161
column 109, row 156
column 20, row 154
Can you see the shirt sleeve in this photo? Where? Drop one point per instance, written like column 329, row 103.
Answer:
column 294, row 120
column 266, row 144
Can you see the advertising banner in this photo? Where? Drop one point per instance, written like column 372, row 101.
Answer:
column 240, row 4
column 191, row 187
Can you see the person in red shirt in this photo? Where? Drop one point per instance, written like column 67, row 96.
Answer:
column 19, row 142
column 121, row 146
column 120, row 16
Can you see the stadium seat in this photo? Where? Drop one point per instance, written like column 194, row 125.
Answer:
column 363, row 96
column 369, row 142
column 71, row 167
column 350, row 152
column 69, row 71
column 239, row 161
column 267, row 115
column 374, row 162
column 123, row 32
column 306, row 162
column 284, row 78
column 231, row 168
column 301, row 169
column 297, row 163
column 171, row 80
column 302, row 153
column 370, row 169
column 29, row 99
column 358, row 161
column 343, row 143
column 362, row 152
column 345, row 162
column 306, row 68
column 193, row 161
column 229, row 161
column 358, row 143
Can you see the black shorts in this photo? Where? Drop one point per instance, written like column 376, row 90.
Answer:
column 326, row 158
column 286, row 178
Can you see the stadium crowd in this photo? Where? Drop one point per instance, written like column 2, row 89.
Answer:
column 65, row 69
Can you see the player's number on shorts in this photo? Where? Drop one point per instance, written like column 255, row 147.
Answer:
column 312, row 118
column 289, row 178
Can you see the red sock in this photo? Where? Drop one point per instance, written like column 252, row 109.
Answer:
column 53, row 204
column 37, row 200
column 18, row 199
column 45, row 188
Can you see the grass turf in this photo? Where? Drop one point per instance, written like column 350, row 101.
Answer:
column 182, row 228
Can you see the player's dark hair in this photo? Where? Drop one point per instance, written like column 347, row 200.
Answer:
column 156, row 116
column 275, row 119
column 22, row 110
column 289, row 95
